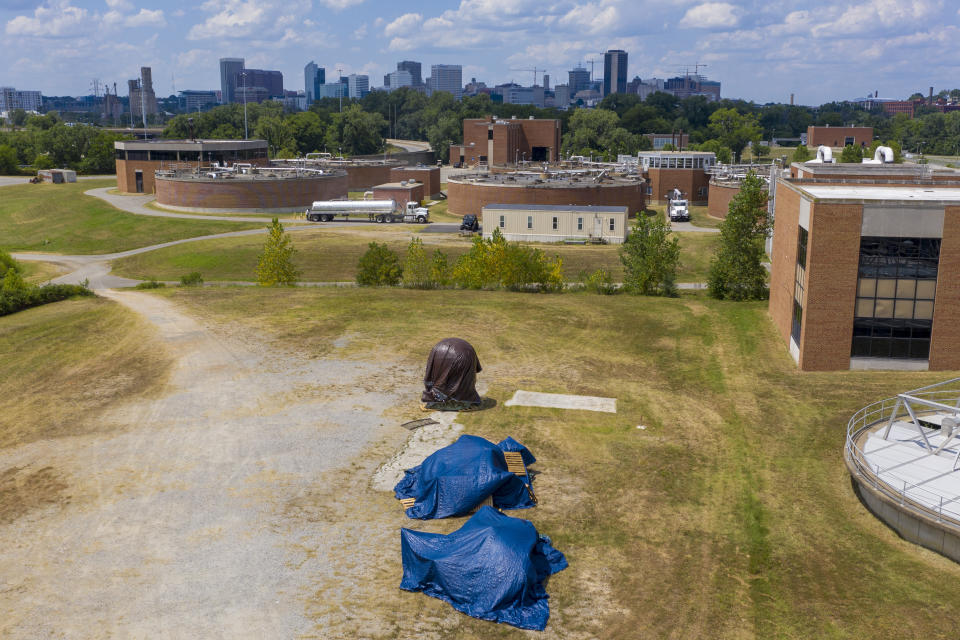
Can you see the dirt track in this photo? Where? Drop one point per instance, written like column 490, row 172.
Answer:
column 197, row 518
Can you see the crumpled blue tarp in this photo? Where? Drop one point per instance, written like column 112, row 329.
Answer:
column 454, row 480
column 492, row 568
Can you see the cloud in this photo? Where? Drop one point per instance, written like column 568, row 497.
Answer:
column 146, row 18
column 59, row 19
column 230, row 19
column 592, row 18
column 870, row 16
column 340, row 5
column 711, row 15
column 403, row 25
column 120, row 5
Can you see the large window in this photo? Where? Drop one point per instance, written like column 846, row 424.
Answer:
column 895, row 294
column 799, row 285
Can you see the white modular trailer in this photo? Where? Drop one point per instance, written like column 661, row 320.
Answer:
column 556, row 223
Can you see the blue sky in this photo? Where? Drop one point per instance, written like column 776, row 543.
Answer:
column 819, row 50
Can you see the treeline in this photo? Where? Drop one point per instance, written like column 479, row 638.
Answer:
column 46, row 142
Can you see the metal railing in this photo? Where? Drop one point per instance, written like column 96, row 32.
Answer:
column 911, row 497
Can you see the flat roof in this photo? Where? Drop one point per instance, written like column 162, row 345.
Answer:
column 925, row 193
column 188, row 145
column 651, row 154
column 397, row 185
column 556, row 207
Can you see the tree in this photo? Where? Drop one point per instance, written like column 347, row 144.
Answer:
column 8, row 160
column 43, row 161
column 650, row 257
column 445, row 132
column 851, row 153
column 736, row 271
column 275, row 132
column 378, row 267
column 734, row 129
column 18, row 117
column 724, row 155
column 307, row 131
column 275, row 265
column 355, row 131
column 801, row 153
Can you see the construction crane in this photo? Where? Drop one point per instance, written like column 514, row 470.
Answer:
column 591, row 61
column 535, row 71
column 696, row 69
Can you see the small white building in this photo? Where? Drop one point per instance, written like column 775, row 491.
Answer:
column 556, row 223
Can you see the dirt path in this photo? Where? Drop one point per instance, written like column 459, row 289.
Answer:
column 208, row 513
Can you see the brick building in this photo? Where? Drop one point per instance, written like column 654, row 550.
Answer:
column 683, row 170
column 137, row 160
column 839, row 136
column 264, row 191
column 865, row 270
column 429, row 176
column 400, row 192
column 471, row 193
column 507, row 142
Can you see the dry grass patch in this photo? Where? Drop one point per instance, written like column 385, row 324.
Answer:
column 73, row 361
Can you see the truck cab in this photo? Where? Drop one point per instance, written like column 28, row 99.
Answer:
column 679, row 211
column 413, row 212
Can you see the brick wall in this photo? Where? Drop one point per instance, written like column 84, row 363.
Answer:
column 429, row 176
column 945, row 342
column 364, row 177
column 834, row 136
column 291, row 194
column 783, row 260
column 126, row 169
column 466, row 198
column 719, row 200
column 833, row 258
column 689, row 181
column 401, row 195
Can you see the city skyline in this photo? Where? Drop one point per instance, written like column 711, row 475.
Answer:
column 757, row 51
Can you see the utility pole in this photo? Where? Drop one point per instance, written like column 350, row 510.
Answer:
column 340, row 89
column 243, row 75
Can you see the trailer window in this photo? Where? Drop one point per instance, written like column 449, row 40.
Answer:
column 612, row 224
column 555, row 222
column 502, row 223
column 529, row 222
column 579, row 224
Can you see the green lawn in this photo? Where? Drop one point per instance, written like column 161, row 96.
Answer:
column 332, row 256
column 39, row 272
column 58, row 218
column 698, row 215
column 730, row 516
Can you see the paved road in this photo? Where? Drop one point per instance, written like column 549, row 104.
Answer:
column 6, row 181
column 96, row 268
column 409, row 145
column 136, row 204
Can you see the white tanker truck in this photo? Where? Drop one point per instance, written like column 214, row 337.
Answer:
column 372, row 210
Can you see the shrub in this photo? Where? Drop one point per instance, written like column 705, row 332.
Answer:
column 801, row 153
column 600, row 281
column 193, row 279
column 150, row 283
column 7, row 263
column 416, row 267
column 275, row 264
column 378, row 267
column 498, row 264
column 439, row 269
column 16, row 295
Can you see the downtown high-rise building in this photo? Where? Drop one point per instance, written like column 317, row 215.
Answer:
column 414, row 68
column 614, row 72
column 358, row 85
column 229, row 69
column 313, row 77
column 446, row 77
column 11, row 99
column 578, row 79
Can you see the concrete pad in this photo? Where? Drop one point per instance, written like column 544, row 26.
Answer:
column 561, row 401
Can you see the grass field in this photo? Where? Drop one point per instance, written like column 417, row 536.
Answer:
column 58, row 218
column 730, row 516
column 39, row 272
column 73, row 360
column 332, row 256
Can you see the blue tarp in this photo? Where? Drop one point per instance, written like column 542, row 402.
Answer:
column 492, row 568
column 457, row 478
